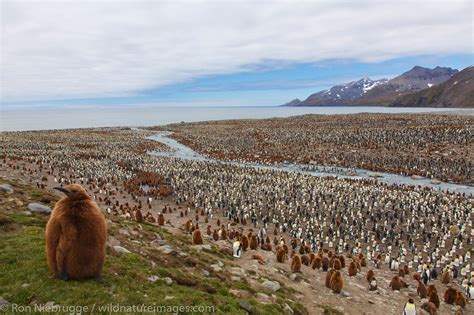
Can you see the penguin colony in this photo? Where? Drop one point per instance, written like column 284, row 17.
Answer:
column 319, row 223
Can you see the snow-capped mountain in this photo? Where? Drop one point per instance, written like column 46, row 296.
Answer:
column 378, row 92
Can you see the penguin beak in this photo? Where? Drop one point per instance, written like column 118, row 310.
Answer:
column 64, row 190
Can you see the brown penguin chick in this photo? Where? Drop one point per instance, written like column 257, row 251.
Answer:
column 352, row 269
column 161, row 219
column 431, row 288
column 434, row 298
column 138, row 216
column 370, row 275
column 259, row 258
column 328, row 277
column 253, row 242
column 280, row 255
column 450, row 295
column 337, row 264
column 218, row 222
column 286, row 249
column 188, row 226
column 181, row 214
column 343, row 261
column 75, row 236
column 317, row 263
column 406, row 270
column 429, row 307
column 395, row 284
column 197, row 237
column 460, row 300
column 301, row 250
column 215, row 235
column 307, row 249
column 311, row 257
column 416, row 276
column 275, row 241
column 267, row 239
column 337, row 282
column 363, row 262
column 209, row 230
column 325, row 264
column 224, row 233
column 305, row 260
column 266, row 246
column 296, row 264
column 245, row 242
column 421, row 290
column 446, row 278
column 401, row 273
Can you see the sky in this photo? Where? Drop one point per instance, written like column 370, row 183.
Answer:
column 217, row 53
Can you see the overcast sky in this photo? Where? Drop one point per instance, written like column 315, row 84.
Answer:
column 218, row 51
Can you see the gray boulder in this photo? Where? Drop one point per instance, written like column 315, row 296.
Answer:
column 39, row 208
column 6, row 188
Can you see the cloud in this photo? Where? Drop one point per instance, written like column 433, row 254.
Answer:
column 77, row 49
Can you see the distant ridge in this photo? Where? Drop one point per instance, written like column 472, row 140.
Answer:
column 458, row 91
column 381, row 92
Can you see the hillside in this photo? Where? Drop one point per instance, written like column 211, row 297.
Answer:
column 458, row 91
column 146, row 264
column 378, row 92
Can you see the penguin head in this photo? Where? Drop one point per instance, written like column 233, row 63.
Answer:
column 74, row 192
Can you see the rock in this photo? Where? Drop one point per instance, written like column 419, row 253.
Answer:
column 6, row 188
column 205, row 272
column 220, row 263
column 271, row 285
column 166, row 249
column 345, row 294
column 169, row 297
column 216, row 268
column 24, row 285
column 168, row 280
column 246, row 306
column 236, row 293
column 263, row 298
column 121, row 250
column 112, row 241
column 287, row 309
column 237, row 271
column 201, row 247
column 293, row 276
column 124, row 232
column 153, row 278
column 183, row 254
column 39, row 208
column 234, row 278
column 19, row 203
column 157, row 243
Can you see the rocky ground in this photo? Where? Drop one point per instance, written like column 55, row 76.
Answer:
column 149, row 264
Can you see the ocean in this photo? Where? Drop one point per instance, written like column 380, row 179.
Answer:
column 64, row 118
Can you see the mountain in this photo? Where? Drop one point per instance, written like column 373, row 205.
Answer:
column 411, row 81
column 458, row 91
column 378, row 92
column 339, row 94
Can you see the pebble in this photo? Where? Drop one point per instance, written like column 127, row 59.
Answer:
column 168, row 280
column 153, row 278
